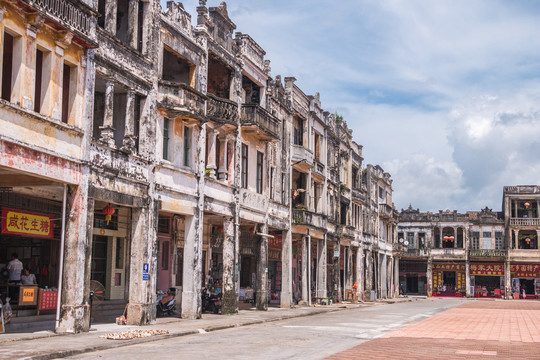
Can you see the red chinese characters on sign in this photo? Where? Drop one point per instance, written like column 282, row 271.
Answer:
column 525, row 270
column 487, row 269
column 19, row 222
column 449, row 267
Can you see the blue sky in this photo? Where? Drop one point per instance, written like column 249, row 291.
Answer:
column 444, row 95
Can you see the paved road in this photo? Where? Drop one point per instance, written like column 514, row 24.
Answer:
column 313, row 337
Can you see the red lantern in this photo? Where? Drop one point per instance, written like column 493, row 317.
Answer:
column 446, row 238
column 108, row 211
column 451, row 238
column 527, row 205
column 528, row 240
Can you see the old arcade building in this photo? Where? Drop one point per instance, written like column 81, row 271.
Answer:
column 477, row 254
column 43, row 176
column 141, row 152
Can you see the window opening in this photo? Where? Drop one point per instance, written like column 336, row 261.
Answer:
column 244, row 165
column 7, row 67
column 260, row 157
column 166, row 124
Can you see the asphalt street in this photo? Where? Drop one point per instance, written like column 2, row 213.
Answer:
column 313, row 337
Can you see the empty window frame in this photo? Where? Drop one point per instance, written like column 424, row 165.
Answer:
column 260, row 159
column 11, row 64
column 69, row 91
column 244, row 165
column 476, row 240
column 187, row 145
column 486, row 240
column 499, row 240
column 166, row 125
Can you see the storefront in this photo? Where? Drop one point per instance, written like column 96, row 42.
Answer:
column 274, row 269
column 412, row 277
column 487, row 279
column 248, row 267
column 525, row 277
column 31, row 229
column 448, row 279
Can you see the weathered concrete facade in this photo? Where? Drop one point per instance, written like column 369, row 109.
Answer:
column 186, row 164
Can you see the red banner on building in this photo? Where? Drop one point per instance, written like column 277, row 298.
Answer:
column 19, row 222
column 487, row 269
column 525, row 270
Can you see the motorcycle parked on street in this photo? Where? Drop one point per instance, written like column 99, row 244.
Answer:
column 166, row 302
column 210, row 302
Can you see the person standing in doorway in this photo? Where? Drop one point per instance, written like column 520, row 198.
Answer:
column 15, row 267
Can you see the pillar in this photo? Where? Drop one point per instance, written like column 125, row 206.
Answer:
column 349, row 269
column 133, row 14
column 369, row 274
column 262, row 270
column 321, row 267
column 29, row 59
column 230, row 164
column 74, row 311
column 140, row 308
column 211, row 158
column 230, row 290
column 468, row 278
column 110, row 16
column 429, row 277
column 286, row 269
column 396, row 276
column 507, row 280
column 383, row 278
column 360, row 276
column 337, row 283
column 222, row 170
column 191, row 298
column 305, row 262
column 129, row 133
column 107, row 130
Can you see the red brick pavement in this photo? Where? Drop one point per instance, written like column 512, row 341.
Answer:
column 476, row 330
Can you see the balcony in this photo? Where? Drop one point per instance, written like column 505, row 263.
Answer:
column 256, row 119
column 448, row 253
column 416, row 252
column 525, row 222
column 73, row 16
column 300, row 153
column 318, row 168
column 304, row 217
column 178, row 99
column 358, row 195
column 222, row 110
column 386, row 210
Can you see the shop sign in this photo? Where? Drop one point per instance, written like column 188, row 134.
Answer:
column 145, row 268
column 47, row 300
column 274, row 254
column 19, row 222
column 487, row 269
column 28, row 295
column 274, row 243
column 449, row 267
column 488, row 253
column 525, row 270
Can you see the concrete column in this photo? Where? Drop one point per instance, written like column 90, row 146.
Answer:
column 140, row 309
column 74, row 311
column 383, row 279
column 129, row 133
column 309, row 192
column 191, row 298
column 389, row 277
column 429, row 277
column 286, row 269
column 349, row 269
column 369, row 274
column 309, row 269
column 468, row 278
column 262, row 270
column 336, row 280
column 305, row 262
column 29, row 59
column 507, row 280
column 133, row 24
column 230, row 164
column 516, row 239
column 211, row 159
column 193, row 239
column 396, row 277
column 321, row 267
column 360, row 276
column 110, row 16
column 107, row 130
column 222, row 170
column 230, row 290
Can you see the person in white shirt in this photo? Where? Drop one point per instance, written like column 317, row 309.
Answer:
column 27, row 278
column 15, row 267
